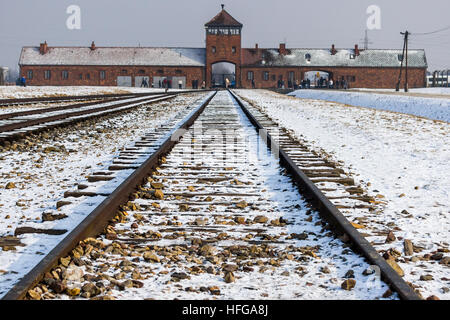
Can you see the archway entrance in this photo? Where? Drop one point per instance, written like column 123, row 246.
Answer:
column 318, row 78
column 221, row 71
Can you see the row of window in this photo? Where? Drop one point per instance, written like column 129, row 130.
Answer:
column 224, row 31
column 213, row 49
column 291, row 76
column 265, row 76
column 102, row 74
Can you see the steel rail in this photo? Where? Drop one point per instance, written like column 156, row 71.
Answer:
column 6, row 116
column 33, row 122
column 98, row 219
column 329, row 211
column 7, row 102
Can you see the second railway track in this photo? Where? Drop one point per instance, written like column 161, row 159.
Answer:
column 217, row 216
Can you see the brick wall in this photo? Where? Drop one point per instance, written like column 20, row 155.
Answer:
column 78, row 75
column 223, row 53
column 364, row 77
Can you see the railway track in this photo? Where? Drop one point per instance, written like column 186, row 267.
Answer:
column 18, row 124
column 207, row 212
column 59, row 99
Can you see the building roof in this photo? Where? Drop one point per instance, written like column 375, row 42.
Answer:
column 223, row 19
column 108, row 56
column 324, row 58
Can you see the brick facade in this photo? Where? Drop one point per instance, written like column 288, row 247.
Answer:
column 363, row 77
column 219, row 48
column 90, row 75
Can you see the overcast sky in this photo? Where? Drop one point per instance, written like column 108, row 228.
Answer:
column 299, row 23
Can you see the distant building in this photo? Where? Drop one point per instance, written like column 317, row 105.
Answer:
column 222, row 61
column 3, row 75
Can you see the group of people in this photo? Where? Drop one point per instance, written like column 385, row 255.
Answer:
column 22, row 81
column 323, row 83
column 330, row 84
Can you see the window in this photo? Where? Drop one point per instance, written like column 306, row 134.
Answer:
column 308, row 57
column 250, row 75
column 265, row 75
column 88, row 76
column 160, row 71
column 351, row 78
column 102, row 75
column 274, row 77
column 80, row 76
column 141, row 71
column 124, row 71
column 65, row 75
column 47, row 74
column 291, row 75
column 30, row 74
column 178, row 71
column 233, row 49
column 213, row 49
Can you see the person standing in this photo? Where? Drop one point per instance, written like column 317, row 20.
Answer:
column 23, row 81
column 180, row 84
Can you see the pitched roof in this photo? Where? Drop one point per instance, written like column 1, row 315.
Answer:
column 114, row 56
column 324, row 58
column 223, row 19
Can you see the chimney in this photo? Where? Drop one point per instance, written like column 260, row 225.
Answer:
column 282, row 49
column 43, row 48
column 356, row 50
column 256, row 46
column 92, row 45
column 333, row 50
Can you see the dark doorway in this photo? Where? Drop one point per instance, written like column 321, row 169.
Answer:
column 223, row 73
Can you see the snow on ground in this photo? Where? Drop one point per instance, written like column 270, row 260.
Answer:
column 46, row 166
column 432, row 108
column 431, row 91
column 16, row 92
column 403, row 159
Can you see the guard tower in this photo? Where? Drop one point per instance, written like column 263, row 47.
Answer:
column 223, row 50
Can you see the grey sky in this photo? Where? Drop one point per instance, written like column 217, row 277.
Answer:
column 314, row 24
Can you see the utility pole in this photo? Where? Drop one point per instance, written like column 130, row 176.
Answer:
column 406, row 33
column 397, row 87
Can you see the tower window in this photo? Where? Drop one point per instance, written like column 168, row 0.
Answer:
column 102, row 75
column 30, row 74
column 47, row 74
column 233, row 49
column 213, row 49
column 250, row 75
column 65, row 75
column 265, row 75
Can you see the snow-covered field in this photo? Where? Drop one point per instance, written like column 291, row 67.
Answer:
column 43, row 168
column 15, row 92
column 426, row 91
column 400, row 159
column 431, row 108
